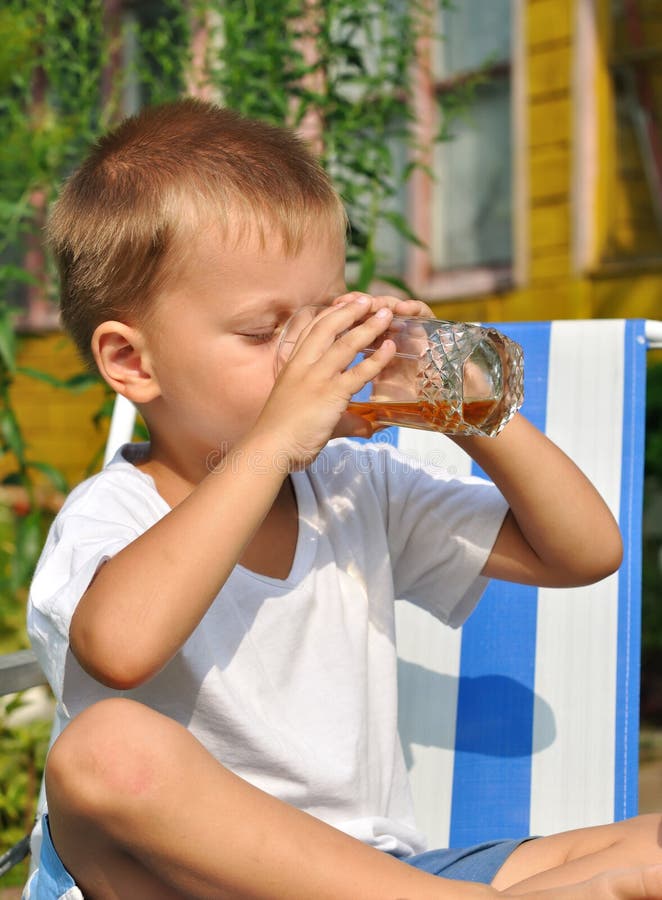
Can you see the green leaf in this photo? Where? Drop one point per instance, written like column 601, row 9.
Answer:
column 13, row 478
column 14, row 273
column 366, row 270
column 396, row 282
column 7, row 340
column 78, row 383
column 29, row 540
column 15, row 703
column 54, row 475
column 11, row 433
column 105, row 411
column 402, row 226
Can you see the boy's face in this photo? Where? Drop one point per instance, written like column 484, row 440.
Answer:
column 214, row 332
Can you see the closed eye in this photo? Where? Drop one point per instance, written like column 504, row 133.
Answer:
column 260, row 337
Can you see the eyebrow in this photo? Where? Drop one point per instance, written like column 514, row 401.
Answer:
column 272, row 309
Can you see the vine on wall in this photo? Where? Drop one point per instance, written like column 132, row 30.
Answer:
column 339, row 71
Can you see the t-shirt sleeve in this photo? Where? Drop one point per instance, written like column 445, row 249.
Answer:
column 94, row 525
column 441, row 531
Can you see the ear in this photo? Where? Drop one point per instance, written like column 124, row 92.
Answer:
column 124, row 362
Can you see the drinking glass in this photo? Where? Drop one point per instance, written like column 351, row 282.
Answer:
column 452, row 377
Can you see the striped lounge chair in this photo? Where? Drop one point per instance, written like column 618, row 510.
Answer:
column 525, row 721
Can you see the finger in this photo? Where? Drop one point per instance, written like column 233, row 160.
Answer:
column 377, row 301
column 362, row 336
column 412, row 308
column 303, row 329
column 628, row 884
column 352, row 380
column 644, row 883
column 332, row 327
column 351, row 296
column 397, row 305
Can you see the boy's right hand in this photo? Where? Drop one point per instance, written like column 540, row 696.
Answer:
column 312, row 391
column 641, row 883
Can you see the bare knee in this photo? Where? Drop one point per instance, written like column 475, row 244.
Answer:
column 103, row 784
column 104, row 757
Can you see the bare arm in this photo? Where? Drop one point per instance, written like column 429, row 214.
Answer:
column 145, row 602
column 559, row 531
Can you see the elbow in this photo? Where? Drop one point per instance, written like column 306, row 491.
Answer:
column 118, row 673
column 611, row 558
column 118, row 677
column 608, row 554
column 616, row 557
column 120, row 668
column 598, row 562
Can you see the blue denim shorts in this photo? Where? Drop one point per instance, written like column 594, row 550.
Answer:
column 50, row 881
column 479, row 863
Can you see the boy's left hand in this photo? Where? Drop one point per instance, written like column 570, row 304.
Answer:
column 350, row 424
column 397, row 306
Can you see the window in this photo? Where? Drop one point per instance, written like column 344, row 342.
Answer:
column 465, row 214
column 633, row 201
column 472, row 206
column 618, row 178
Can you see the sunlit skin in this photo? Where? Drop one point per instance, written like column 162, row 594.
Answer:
column 201, row 370
column 214, row 339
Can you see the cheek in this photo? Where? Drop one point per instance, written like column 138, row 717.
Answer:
column 255, row 375
column 245, row 387
column 256, row 393
column 223, row 380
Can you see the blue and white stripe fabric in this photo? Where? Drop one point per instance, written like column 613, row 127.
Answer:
column 526, row 720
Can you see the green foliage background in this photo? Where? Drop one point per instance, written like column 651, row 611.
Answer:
column 71, row 68
column 61, row 85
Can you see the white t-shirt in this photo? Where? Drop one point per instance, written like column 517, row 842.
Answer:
column 291, row 683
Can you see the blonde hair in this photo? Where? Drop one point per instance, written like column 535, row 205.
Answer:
column 155, row 179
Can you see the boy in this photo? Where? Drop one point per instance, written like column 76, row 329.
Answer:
column 215, row 609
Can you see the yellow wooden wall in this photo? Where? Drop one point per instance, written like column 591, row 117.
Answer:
column 57, row 425
column 617, row 283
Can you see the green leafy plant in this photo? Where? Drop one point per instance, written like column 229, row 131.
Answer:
column 22, row 759
column 23, row 525
column 341, row 71
column 347, row 69
column 67, row 69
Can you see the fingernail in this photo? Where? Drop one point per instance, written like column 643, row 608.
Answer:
column 383, row 312
column 363, row 299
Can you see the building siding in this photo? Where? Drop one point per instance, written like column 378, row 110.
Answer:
column 57, row 424
column 623, row 279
